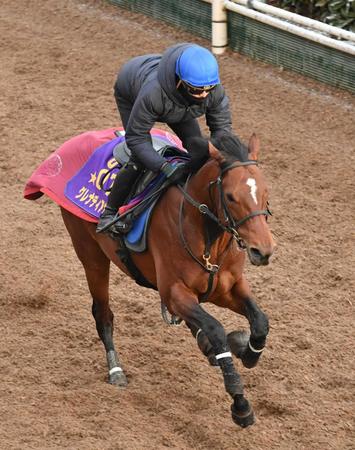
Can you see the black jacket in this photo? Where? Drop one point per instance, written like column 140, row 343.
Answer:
column 148, row 83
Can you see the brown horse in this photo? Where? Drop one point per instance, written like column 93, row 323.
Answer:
column 198, row 239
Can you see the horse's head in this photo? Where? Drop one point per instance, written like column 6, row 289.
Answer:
column 243, row 196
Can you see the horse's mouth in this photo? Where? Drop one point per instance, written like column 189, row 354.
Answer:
column 257, row 258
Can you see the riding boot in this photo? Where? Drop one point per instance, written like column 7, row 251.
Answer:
column 122, row 186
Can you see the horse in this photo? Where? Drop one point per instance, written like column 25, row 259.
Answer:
column 199, row 236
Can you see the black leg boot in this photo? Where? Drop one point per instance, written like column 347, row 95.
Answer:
column 119, row 193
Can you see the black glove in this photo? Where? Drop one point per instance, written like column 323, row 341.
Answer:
column 173, row 173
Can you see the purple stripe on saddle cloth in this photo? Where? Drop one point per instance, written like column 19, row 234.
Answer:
column 89, row 187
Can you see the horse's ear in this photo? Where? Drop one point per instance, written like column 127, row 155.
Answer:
column 215, row 153
column 253, row 147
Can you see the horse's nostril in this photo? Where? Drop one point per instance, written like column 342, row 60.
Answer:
column 258, row 258
column 256, row 253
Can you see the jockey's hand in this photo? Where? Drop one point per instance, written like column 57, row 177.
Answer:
column 173, row 173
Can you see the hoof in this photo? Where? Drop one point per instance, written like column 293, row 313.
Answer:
column 118, row 379
column 238, row 342
column 244, row 419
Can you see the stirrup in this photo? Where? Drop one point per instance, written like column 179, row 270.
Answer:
column 120, row 227
column 115, row 226
column 107, row 219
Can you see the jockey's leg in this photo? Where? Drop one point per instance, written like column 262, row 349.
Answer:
column 122, row 185
column 127, row 175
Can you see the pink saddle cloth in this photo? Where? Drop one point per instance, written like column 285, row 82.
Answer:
column 52, row 176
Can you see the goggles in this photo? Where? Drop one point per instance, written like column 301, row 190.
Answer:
column 194, row 90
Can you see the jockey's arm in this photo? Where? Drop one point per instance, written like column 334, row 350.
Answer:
column 138, row 138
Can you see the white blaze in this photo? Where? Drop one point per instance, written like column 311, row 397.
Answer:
column 252, row 184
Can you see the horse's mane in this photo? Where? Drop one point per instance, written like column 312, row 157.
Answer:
column 231, row 147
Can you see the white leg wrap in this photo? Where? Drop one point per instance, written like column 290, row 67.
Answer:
column 254, row 349
column 114, row 370
column 198, row 332
column 224, row 355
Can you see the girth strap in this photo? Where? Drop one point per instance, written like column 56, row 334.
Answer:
column 125, row 256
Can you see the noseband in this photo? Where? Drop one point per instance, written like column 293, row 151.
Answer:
column 231, row 225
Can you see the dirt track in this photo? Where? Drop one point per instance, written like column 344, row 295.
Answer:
column 58, row 63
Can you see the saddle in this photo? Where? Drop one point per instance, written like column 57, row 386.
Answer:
column 145, row 193
column 122, row 155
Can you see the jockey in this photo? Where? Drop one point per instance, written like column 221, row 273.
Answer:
column 174, row 88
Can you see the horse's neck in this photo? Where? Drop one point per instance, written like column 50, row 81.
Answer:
column 199, row 187
column 202, row 192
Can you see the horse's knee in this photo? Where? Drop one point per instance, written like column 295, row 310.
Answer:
column 238, row 342
column 247, row 347
column 213, row 330
column 259, row 328
column 258, row 320
column 206, row 347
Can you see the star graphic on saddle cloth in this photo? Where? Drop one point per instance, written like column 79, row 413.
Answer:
column 92, row 178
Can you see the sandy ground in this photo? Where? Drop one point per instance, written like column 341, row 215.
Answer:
column 58, row 64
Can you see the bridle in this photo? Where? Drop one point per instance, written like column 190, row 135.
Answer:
column 230, row 225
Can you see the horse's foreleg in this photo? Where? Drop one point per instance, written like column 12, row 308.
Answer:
column 197, row 318
column 248, row 347
column 97, row 270
column 203, row 344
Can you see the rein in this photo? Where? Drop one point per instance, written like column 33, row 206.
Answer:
column 231, row 225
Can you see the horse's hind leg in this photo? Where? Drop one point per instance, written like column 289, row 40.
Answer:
column 97, row 270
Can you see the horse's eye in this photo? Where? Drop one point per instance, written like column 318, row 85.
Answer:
column 230, row 197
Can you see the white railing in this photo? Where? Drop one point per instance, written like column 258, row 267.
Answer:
column 293, row 23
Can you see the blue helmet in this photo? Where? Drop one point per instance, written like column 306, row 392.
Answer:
column 197, row 67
